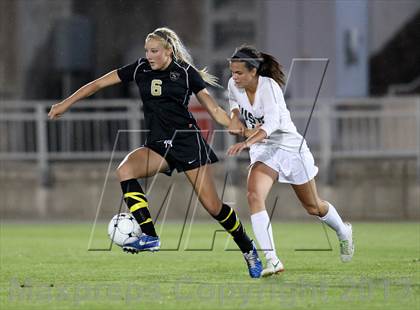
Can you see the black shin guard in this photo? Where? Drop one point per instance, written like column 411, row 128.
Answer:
column 232, row 224
column 137, row 203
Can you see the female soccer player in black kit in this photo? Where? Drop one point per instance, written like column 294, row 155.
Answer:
column 166, row 78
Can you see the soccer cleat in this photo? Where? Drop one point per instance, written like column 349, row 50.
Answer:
column 253, row 262
column 272, row 268
column 142, row 243
column 347, row 246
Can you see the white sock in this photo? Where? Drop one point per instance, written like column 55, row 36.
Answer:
column 264, row 234
column 333, row 219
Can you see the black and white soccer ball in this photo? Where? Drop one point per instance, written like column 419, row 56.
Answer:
column 122, row 228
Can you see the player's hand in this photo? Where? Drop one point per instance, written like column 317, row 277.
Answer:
column 237, row 148
column 236, row 127
column 249, row 132
column 58, row 109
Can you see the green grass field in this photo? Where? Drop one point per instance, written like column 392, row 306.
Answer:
column 47, row 266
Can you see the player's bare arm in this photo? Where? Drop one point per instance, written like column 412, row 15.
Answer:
column 236, row 127
column 215, row 111
column 257, row 136
column 87, row 90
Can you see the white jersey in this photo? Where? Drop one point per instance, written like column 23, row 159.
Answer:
column 269, row 109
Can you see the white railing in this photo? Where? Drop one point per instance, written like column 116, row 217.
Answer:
column 404, row 88
column 362, row 128
column 339, row 129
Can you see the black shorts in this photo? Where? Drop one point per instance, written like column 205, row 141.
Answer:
column 186, row 151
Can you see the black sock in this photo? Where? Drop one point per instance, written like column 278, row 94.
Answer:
column 137, row 203
column 232, row 224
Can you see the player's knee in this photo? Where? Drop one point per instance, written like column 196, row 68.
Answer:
column 124, row 172
column 253, row 197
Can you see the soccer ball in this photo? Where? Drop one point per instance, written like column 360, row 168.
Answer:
column 123, row 227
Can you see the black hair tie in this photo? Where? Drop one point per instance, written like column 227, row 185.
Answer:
column 255, row 62
column 162, row 35
column 165, row 37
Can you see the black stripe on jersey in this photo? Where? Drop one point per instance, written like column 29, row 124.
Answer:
column 199, row 146
column 188, row 85
column 188, row 82
column 139, row 63
column 199, row 136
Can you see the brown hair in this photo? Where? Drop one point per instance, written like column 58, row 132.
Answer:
column 266, row 64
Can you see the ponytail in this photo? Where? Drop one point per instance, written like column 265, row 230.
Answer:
column 266, row 64
column 180, row 53
column 270, row 67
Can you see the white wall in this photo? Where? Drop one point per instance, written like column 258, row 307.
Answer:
column 302, row 29
column 308, row 29
column 351, row 48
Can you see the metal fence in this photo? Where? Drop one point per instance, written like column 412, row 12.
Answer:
column 339, row 129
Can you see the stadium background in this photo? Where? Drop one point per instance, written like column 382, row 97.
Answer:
column 368, row 152
column 57, row 177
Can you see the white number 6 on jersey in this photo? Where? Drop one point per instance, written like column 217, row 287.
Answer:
column 156, row 88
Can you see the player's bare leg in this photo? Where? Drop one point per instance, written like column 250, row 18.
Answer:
column 142, row 162
column 314, row 205
column 202, row 181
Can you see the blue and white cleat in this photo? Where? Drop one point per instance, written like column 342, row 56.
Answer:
column 142, row 243
column 254, row 263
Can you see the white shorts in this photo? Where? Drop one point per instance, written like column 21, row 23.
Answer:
column 293, row 168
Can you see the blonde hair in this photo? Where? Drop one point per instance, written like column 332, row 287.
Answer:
column 170, row 40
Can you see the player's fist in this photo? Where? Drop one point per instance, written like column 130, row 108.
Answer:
column 57, row 110
column 236, row 127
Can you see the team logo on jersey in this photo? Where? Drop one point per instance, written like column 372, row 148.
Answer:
column 174, row 75
column 251, row 119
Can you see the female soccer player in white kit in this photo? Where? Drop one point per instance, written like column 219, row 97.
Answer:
column 277, row 151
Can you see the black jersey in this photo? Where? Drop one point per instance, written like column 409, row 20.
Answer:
column 165, row 95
